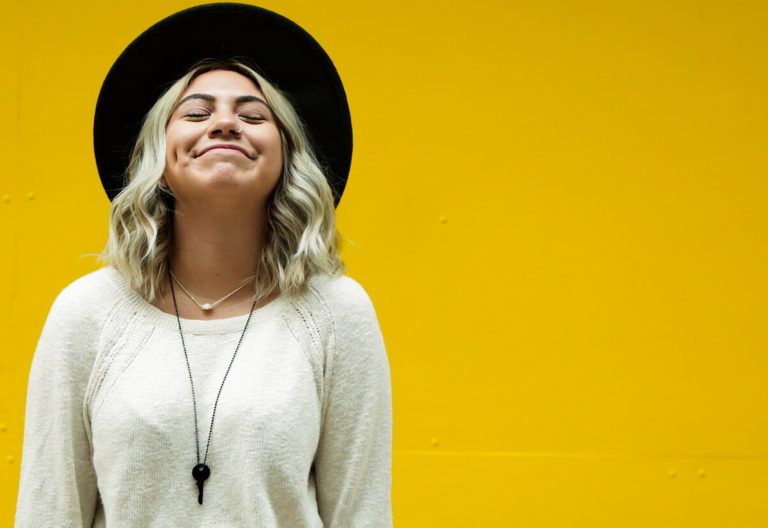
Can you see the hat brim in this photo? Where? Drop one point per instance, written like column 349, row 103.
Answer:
column 281, row 50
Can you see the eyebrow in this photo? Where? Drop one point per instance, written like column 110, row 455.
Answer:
column 239, row 100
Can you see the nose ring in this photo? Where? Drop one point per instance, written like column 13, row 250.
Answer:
column 240, row 130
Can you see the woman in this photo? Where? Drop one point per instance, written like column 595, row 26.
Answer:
column 222, row 371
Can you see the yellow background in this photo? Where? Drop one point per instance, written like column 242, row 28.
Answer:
column 558, row 208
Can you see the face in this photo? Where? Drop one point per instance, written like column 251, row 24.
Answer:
column 222, row 142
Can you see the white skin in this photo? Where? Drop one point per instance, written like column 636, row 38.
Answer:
column 220, row 194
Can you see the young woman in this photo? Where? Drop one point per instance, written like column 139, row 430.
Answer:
column 221, row 371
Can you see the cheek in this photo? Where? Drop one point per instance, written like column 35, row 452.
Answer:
column 278, row 145
column 279, row 158
column 270, row 143
column 176, row 143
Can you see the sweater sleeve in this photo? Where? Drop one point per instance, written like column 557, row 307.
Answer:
column 354, row 455
column 58, row 483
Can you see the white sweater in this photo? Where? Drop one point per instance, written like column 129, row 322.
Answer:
column 302, row 435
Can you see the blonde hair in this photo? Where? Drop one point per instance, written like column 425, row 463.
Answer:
column 301, row 238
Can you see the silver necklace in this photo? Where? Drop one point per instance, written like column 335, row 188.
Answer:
column 207, row 307
column 201, row 471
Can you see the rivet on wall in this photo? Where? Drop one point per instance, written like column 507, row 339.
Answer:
column 435, row 442
column 6, row 198
column 30, row 196
column 672, row 473
column 10, row 459
column 3, row 428
column 702, row 473
column 442, row 219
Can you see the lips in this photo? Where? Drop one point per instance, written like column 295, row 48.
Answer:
column 224, row 146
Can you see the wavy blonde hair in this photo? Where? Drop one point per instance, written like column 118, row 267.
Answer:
column 301, row 238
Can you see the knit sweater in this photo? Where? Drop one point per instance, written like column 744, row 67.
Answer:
column 302, row 433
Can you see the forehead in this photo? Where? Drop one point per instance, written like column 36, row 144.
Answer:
column 223, row 83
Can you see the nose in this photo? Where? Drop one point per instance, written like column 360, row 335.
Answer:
column 225, row 125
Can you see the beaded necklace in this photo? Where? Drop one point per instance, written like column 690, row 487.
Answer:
column 201, row 471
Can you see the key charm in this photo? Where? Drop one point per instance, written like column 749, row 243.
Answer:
column 200, row 473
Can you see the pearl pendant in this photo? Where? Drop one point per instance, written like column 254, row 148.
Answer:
column 207, row 307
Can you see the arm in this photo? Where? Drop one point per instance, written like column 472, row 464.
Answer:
column 58, row 484
column 354, row 456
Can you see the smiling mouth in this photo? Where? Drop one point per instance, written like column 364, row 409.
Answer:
column 225, row 148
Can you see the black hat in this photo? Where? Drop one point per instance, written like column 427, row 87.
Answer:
column 278, row 48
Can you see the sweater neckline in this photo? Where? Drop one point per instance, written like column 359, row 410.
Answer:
column 138, row 304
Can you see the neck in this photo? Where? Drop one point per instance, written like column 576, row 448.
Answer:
column 214, row 251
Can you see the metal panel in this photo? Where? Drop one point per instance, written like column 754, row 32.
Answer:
column 557, row 207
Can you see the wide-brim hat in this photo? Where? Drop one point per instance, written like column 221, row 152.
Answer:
column 279, row 49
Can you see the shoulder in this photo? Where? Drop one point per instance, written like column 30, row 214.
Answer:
column 87, row 299
column 343, row 295
column 350, row 312
column 95, row 287
column 333, row 310
column 72, row 330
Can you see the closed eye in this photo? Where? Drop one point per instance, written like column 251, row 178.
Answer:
column 196, row 115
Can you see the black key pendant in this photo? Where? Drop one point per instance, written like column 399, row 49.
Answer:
column 200, row 473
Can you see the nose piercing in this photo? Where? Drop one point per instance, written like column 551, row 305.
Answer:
column 240, row 130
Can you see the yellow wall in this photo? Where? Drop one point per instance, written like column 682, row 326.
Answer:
column 558, row 207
